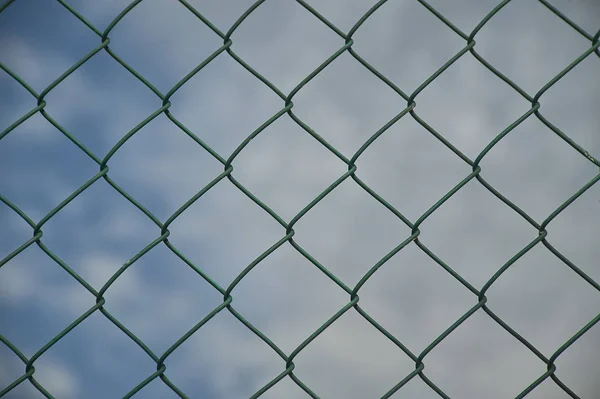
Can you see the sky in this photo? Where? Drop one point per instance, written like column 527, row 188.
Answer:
column 159, row 297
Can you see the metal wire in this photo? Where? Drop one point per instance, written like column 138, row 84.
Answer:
column 288, row 227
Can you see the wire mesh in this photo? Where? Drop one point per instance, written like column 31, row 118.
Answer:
column 227, row 305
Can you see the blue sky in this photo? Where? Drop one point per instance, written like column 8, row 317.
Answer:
column 159, row 298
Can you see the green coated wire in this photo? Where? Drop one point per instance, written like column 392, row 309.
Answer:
column 287, row 233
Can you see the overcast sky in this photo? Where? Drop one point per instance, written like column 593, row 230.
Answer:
column 159, row 298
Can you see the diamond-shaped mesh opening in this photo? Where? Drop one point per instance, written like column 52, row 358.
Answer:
column 224, row 85
column 461, row 105
column 96, row 355
column 115, row 102
column 41, row 299
column 388, row 163
column 428, row 51
column 489, row 354
column 475, row 233
column 367, row 237
column 331, row 102
column 191, row 283
column 341, row 377
column 552, row 182
column 272, row 57
column 100, row 208
column 159, row 304
column 145, row 162
column 54, row 41
column 288, row 276
column 286, row 167
column 189, row 41
column 534, row 298
column 206, row 358
column 437, row 299
column 208, row 250
column 559, row 47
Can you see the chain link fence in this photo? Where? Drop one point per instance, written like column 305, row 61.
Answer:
column 287, row 111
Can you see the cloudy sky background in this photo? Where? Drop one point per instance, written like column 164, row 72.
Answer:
column 159, row 298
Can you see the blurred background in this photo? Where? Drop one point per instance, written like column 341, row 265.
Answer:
column 159, row 298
